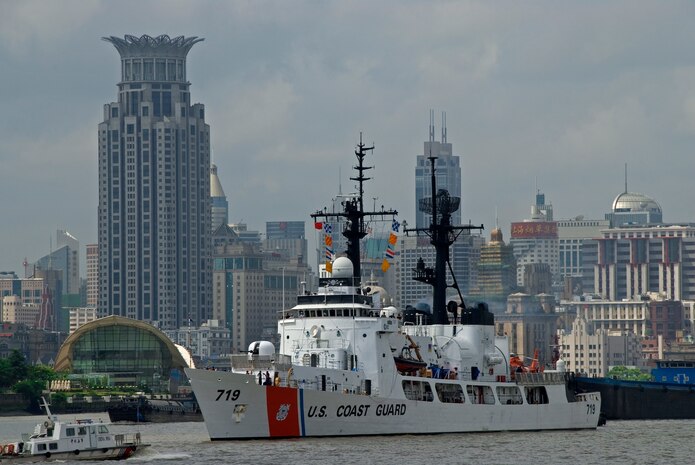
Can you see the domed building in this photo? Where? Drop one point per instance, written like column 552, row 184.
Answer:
column 630, row 208
column 123, row 351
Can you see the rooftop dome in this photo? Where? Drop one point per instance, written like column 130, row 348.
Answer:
column 633, row 202
column 496, row 235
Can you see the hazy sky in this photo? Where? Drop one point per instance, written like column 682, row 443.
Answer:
column 564, row 93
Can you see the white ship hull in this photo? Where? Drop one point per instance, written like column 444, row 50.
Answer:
column 234, row 406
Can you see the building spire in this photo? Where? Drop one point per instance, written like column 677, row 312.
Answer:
column 443, row 127
column 626, row 178
column 431, row 125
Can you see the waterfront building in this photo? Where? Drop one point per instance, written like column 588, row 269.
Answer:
column 210, row 339
column 649, row 317
column 535, row 240
column 447, row 172
column 92, row 275
column 154, row 189
column 123, row 351
column 220, row 207
column 530, row 324
column 37, row 346
column 594, row 351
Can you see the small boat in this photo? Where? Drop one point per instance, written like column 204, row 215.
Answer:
column 84, row 439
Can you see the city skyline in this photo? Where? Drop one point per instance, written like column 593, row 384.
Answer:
column 555, row 96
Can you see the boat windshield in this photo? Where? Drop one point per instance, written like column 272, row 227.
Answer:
column 103, row 429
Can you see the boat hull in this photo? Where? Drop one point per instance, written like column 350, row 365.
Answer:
column 234, row 406
column 641, row 400
column 112, row 453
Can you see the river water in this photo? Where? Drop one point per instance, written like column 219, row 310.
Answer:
column 619, row 442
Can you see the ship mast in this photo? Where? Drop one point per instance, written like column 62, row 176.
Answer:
column 442, row 234
column 354, row 214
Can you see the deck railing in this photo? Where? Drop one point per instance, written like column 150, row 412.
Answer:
column 261, row 362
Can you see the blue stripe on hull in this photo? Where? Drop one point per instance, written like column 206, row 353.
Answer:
column 301, row 410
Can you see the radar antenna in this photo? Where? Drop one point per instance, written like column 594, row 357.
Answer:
column 442, row 234
column 354, row 214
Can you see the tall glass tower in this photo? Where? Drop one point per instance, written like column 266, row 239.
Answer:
column 154, row 189
column 447, row 171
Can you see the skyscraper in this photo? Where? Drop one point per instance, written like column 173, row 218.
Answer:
column 464, row 251
column 154, row 189
column 447, row 172
column 92, row 275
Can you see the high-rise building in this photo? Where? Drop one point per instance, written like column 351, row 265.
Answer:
column 447, row 173
column 92, row 275
column 572, row 235
column 286, row 238
column 21, row 300
column 251, row 287
column 535, row 240
column 220, row 207
column 154, row 189
column 629, row 262
column 65, row 258
column 496, row 277
column 463, row 253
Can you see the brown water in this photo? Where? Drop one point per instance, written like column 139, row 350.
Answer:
column 619, row 442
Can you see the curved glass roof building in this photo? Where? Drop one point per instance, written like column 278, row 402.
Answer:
column 124, row 352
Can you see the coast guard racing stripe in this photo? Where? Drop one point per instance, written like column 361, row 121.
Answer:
column 283, row 412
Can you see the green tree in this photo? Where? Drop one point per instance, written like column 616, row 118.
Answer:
column 36, row 380
column 628, row 374
column 12, row 369
column 6, row 375
column 18, row 364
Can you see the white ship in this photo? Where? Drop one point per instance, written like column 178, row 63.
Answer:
column 348, row 367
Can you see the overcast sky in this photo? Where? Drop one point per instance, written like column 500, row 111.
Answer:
column 558, row 93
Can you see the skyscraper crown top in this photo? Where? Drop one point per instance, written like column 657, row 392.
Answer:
column 148, row 46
